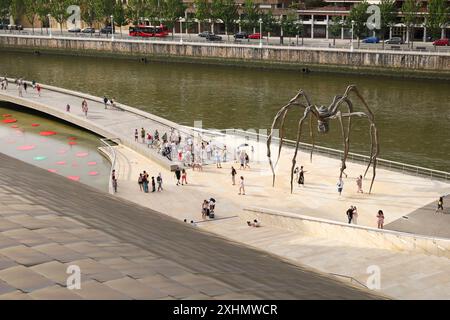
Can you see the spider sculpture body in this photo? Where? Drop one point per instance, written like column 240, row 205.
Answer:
column 323, row 115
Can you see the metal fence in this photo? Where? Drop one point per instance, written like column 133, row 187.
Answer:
column 353, row 157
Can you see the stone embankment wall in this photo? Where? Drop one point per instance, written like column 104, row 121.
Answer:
column 403, row 63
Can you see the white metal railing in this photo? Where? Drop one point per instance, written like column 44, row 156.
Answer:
column 354, row 157
column 113, row 161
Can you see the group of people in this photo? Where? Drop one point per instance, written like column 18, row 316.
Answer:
column 144, row 180
column 255, row 223
column 22, row 86
column 352, row 215
column 111, row 102
column 208, row 208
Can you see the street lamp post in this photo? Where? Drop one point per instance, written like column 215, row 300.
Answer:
column 353, row 24
column 260, row 32
column 49, row 24
column 181, row 29
column 112, row 28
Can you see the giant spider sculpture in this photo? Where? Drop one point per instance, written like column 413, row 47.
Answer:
column 323, row 115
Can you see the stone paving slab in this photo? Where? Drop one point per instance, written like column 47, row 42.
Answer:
column 25, row 255
column 26, row 236
column 135, row 289
column 94, row 290
column 24, row 279
column 59, row 252
column 53, row 270
column 55, row 293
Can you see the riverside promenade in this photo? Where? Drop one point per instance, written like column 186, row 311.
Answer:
column 406, row 271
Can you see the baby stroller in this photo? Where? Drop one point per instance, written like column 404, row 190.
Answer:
column 212, row 206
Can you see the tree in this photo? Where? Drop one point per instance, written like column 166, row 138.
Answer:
column 30, row 11
column 410, row 18
column 137, row 9
column 172, row 11
column 387, row 16
column 58, row 10
column 289, row 26
column 120, row 15
column 251, row 13
column 335, row 27
column 17, row 10
column 42, row 10
column 225, row 10
column 202, row 11
column 359, row 15
column 437, row 18
column 90, row 11
column 269, row 24
column 5, row 9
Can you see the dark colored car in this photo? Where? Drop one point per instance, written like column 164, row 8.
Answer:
column 88, row 30
column 441, row 42
column 15, row 27
column 205, row 34
column 394, row 40
column 213, row 37
column 241, row 35
column 74, row 30
column 3, row 26
column 371, row 40
column 107, row 30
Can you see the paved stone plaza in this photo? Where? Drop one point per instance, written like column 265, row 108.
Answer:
column 126, row 251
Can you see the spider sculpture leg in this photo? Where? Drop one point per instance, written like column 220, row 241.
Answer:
column 282, row 115
column 299, row 132
column 374, row 147
column 311, row 134
column 345, row 138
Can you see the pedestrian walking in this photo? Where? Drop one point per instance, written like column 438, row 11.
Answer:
column 19, row 87
column 242, row 159
column 247, row 161
column 84, row 107
column 160, row 182
column 136, row 135
column 38, row 88
column 205, row 209
column 440, row 204
column 183, row 177
column 141, row 182
column 350, row 214
column 301, row 176
column 218, row 158
column 355, row 215
column 233, row 175
column 143, row 135
column 380, row 218
column 153, row 184
column 114, row 184
column 145, row 181
column 241, row 186
column 68, row 108
column 105, row 101
column 25, row 86
column 149, row 139
column 340, row 186
column 178, row 175
column 359, row 184
column 224, row 154
column 33, row 84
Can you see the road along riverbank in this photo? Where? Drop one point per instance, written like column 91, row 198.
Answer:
column 433, row 65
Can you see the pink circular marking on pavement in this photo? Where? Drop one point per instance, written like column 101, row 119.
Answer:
column 82, row 154
column 74, row 178
column 35, row 124
column 9, row 120
column 47, row 133
column 92, row 163
column 52, row 170
column 27, row 147
column 61, row 163
column 93, row 173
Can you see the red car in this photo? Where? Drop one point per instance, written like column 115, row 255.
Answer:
column 441, row 42
column 255, row 36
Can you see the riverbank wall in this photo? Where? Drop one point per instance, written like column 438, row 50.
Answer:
column 435, row 65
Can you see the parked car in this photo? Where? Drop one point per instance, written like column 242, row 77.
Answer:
column 75, row 30
column 395, row 40
column 88, row 30
column 205, row 34
column 441, row 42
column 107, row 30
column 255, row 36
column 3, row 26
column 371, row 40
column 15, row 27
column 241, row 35
column 213, row 37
